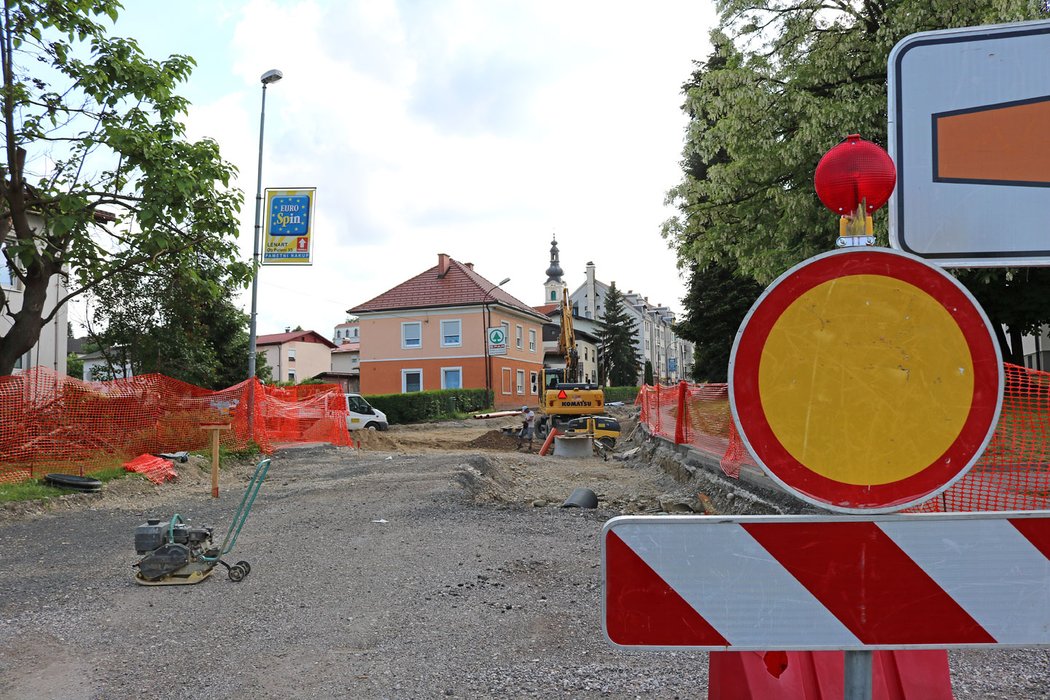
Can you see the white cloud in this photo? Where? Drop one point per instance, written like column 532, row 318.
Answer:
column 471, row 128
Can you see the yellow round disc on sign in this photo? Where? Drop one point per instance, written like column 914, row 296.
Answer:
column 865, row 380
column 864, row 355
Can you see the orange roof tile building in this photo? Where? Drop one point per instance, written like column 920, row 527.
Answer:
column 450, row 328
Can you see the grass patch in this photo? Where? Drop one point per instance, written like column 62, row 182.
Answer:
column 36, row 489
column 111, row 473
column 229, row 456
column 32, row 490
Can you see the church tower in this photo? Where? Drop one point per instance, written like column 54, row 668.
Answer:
column 552, row 288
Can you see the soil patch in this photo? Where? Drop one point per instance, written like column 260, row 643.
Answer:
column 495, row 440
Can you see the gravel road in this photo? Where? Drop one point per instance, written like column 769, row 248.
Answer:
column 375, row 574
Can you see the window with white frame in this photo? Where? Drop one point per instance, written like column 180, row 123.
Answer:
column 521, row 381
column 534, row 383
column 291, row 354
column 532, row 340
column 411, row 334
column 506, row 331
column 518, row 335
column 451, row 333
column 291, row 375
column 411, row 380
column 451, row 377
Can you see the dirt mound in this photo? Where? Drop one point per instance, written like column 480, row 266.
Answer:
column 494, row 440
column 375, row 440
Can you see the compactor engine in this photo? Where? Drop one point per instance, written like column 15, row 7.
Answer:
column 168, row 547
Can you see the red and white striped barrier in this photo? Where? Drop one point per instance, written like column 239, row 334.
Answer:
column 819, row 582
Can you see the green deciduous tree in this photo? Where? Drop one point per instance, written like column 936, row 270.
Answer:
column 74, row 365
column 616, row 339
column 715, row 304
column 1016, row 299
column 98, row 179
column 177, row 320
column 786, row 81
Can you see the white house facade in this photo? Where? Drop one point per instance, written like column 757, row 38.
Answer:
column 50, row 348
column 671, row 357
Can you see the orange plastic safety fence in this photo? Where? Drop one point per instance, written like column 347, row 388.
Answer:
column 1014, row 471
column 1012, row 474
column 54, row 423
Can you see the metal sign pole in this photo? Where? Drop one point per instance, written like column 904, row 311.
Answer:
column 858, row 679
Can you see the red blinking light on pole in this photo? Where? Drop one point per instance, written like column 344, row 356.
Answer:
column 853, row 179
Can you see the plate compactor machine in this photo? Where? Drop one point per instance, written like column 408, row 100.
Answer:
column 177, row 554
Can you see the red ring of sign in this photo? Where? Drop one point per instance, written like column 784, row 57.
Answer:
column 817, row 488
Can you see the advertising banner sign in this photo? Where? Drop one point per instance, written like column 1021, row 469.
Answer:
column 288, row 227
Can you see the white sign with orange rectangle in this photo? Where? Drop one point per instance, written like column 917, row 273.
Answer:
column 969, row 132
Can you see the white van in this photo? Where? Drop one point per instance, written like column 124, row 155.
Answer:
column 359, row 414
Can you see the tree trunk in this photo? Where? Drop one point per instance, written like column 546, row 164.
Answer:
column 25, row 331
column 1000, row 336
column 1016, row 348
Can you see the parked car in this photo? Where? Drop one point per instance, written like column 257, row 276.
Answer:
column 360, row 414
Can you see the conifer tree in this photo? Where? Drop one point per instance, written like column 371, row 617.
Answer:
column 716, row 303
column 618, row 353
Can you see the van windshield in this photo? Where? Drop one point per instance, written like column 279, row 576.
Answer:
column 358, row 405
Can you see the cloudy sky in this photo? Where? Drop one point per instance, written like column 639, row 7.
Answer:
column 476, row 128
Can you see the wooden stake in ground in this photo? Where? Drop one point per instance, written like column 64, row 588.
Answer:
column 215, row 428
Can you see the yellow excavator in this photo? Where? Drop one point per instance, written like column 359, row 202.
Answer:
column 565, row 397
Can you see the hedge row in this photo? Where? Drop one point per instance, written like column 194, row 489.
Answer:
column 626, row 394
column 421, row 406
column 434, row 405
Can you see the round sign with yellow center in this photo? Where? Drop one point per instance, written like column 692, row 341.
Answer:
column 865, row 380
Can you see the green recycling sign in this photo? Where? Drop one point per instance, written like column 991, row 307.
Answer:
column 497, row 338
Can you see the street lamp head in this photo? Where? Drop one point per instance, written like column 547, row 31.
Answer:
column 271, row 76
column 503, row 282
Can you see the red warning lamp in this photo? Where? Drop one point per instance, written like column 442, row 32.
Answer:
column 854, row 179
column 855, row 173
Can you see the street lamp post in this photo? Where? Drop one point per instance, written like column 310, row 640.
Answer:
column 486, row 319
column 270, row 76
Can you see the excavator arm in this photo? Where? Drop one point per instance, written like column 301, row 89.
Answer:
column 567, row 341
